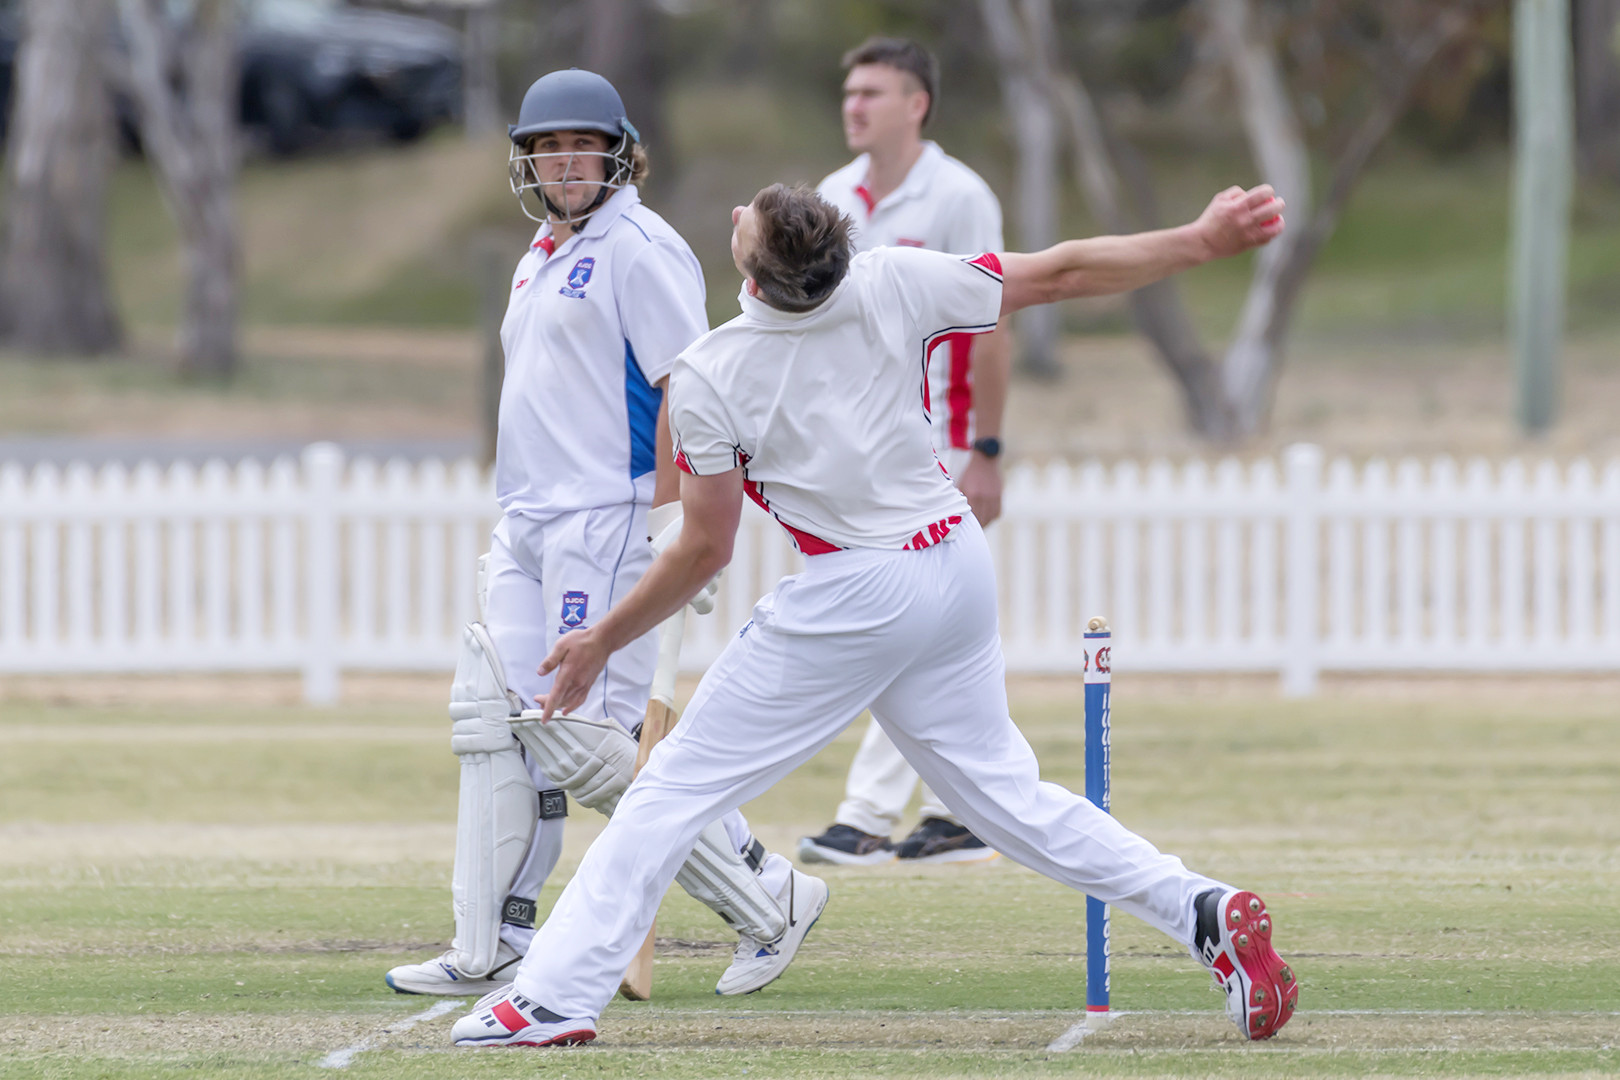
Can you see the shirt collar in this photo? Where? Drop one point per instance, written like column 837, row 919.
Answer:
column 605, row 215
column 917, row 177
column 759, row 311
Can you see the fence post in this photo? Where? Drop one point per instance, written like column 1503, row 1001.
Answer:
column 1301, row 569
column 323, row 469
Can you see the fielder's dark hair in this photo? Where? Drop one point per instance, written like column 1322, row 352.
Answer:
column 803, row 248
column 904, row 54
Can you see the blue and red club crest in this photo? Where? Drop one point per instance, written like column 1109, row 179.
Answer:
column 578, row 278
column 575, row 609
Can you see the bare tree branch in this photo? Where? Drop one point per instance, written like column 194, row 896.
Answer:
column 1157, row 310
column 1397, row 86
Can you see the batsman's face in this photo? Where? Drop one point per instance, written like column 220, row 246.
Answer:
column 570, row 166
column 882, row 105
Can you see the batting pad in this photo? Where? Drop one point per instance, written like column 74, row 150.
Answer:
column 496, row 818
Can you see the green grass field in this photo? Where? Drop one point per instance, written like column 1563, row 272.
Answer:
column 194, row 891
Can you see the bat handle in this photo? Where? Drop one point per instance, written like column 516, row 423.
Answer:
column 669, row 657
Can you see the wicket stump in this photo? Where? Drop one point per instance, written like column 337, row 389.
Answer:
column 1098, row 672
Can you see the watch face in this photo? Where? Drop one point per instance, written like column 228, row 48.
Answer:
column 990, row 447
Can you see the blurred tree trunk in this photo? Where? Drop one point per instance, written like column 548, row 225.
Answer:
column 1597, row 84
column 182, row 76
column 624, row 43
column 54, row 292
column 1158, row 311
column 1280, row 153
column 480, row 82
column 1035, row 136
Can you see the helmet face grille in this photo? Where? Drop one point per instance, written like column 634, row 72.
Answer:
column 523, row 173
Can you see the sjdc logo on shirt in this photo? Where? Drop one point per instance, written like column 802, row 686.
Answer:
column 575, row 608
column 578, row 278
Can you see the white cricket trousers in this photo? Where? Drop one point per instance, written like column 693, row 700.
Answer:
column 547, row 576
column 910, row 634
column 879, row 786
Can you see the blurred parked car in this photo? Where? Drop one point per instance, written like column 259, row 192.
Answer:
column 322, row 65
column 310, row 67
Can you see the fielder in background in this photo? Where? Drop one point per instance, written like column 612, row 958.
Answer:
column 603, row 301
column 810, row 402
column 904, row 191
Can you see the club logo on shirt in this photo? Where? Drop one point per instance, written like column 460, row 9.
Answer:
column 575, row 607
column 578, row 278
column 520, row 284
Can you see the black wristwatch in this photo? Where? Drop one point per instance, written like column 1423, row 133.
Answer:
column 989, row 446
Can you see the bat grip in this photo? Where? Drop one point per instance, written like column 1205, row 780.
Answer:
column 669, row 657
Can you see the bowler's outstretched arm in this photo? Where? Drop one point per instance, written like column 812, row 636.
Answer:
column 711, row 508
column 1234, row 222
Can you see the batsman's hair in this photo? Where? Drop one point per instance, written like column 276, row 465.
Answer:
column 905, row 55
column 803, row 248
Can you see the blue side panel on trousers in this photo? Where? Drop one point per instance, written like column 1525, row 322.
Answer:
column 641, row 401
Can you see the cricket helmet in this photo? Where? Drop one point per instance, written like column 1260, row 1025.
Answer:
column 571, row 100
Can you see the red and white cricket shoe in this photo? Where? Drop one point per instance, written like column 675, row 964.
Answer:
column 1233, row 940
column 507, row 1018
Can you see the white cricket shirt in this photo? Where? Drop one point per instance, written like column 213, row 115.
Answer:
column 941, row 205
column 590, row 328
column 824, row 411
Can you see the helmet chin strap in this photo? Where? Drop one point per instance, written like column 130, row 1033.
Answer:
column 574, row 221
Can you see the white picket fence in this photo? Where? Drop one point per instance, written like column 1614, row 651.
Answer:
column 323, row 565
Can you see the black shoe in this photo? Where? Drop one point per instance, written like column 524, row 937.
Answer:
column 937, row 840
column 847, row 846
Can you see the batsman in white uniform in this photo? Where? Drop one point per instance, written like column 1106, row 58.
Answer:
column 603, row 301
column 810, row 402
column 904, row 191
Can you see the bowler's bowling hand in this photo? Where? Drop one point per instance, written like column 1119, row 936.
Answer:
column 578, row 658
column 1236, row 220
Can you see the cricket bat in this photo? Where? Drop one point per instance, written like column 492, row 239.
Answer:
column 637, row 982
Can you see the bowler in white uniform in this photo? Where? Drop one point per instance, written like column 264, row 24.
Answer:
column 810, row 403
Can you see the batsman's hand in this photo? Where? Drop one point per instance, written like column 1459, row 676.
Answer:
column 1236, row 221
column 578, row 659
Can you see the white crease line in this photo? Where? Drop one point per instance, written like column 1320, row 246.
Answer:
column 1080, row 1029
column 340, row 1059
column 1071, row 1038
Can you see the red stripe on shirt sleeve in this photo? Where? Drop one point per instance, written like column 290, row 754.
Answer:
column 989, row 261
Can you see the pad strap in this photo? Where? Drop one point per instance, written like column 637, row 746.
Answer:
column 519, row 911
column 553, row 804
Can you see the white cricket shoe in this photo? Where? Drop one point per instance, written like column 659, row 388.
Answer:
column 510, row 1019
column 756, row 964
column 441, row 976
